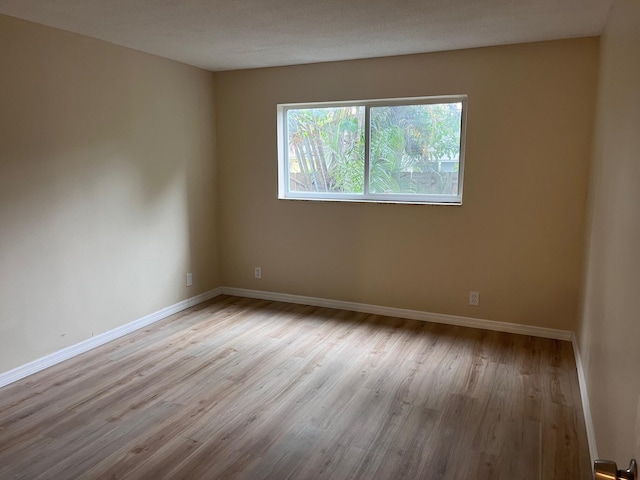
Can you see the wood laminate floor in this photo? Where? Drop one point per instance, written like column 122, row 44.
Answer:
column 249, row 389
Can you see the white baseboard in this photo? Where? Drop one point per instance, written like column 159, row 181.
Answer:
column 586, row 408
column 86, row 345
column 403, row 313
column 106, row 337
column 93, row 342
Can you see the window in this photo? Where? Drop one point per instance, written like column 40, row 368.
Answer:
column 408, row 150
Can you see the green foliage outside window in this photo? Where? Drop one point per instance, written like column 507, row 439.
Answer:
column 413, row 149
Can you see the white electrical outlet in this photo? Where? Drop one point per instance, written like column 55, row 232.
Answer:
column 474, row 298
column 257, row 272
column 189, row 279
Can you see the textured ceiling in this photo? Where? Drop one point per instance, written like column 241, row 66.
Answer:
column 228, row 34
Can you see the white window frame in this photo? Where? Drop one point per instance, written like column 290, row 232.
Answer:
column 285, row 193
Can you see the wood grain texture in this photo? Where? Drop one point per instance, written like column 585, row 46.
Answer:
column 251, row 389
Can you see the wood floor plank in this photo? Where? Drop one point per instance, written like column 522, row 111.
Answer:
column 252, row 389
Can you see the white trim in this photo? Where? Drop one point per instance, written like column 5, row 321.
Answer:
column 586, row 408
column 285, row 193
column 86, row 345
column 404, row 313
column 47, row 361
column 367, row 151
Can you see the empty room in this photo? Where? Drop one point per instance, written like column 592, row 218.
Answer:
column 319, row 240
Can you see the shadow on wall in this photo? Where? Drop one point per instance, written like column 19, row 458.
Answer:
column 108, row 178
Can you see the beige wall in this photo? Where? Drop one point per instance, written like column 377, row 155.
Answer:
column 609, row 333
column 108, row 195
column 518, row 239
column 107, row 187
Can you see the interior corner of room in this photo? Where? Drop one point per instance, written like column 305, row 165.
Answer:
column 123, row 172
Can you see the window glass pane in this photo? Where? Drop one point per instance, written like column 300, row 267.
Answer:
column 326, row 149
column 415, row 149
